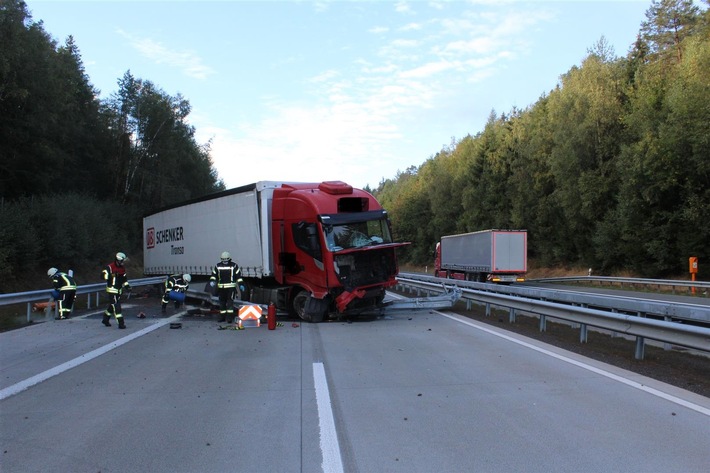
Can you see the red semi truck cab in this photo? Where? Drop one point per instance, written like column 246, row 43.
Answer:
column 333, row 244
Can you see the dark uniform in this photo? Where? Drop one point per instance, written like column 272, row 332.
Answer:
column 226, row 276
column 64, row 292
column 116, row 282
column 177, row 283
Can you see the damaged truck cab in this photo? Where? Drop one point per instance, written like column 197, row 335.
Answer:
column 333, row 246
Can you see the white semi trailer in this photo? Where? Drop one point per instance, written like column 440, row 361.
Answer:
column 486, row 256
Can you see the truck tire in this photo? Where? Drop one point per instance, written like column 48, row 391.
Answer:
column 300, row 303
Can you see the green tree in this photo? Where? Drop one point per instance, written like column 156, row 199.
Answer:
column 665, row 167
column 156, row 158
column 27, row 112
column 668, row 23
column 585, row 114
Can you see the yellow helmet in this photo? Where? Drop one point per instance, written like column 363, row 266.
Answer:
column 52, row 272
column 226, row 256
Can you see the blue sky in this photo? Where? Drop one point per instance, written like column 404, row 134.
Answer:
column 338, row 90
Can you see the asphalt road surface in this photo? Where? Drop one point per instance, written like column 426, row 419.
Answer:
column 426, row 392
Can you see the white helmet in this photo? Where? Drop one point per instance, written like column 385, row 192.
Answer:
column 120, row 256
column 52, row 272
column 186, row 277
column 226, row 256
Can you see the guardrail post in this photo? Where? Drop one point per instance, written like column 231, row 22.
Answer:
column 29, row 311
column 666, row 345
column 488, row 309
column 511, row 316
column 543, row 323
column 640, row 345
column 583, row 333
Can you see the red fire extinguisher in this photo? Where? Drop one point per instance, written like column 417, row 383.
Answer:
column 271, row 316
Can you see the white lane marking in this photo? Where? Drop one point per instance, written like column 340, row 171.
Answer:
column 628, row 382
column 332, row 463
column 36, row 379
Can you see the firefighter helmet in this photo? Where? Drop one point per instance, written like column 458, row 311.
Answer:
column 187, row 278
column 120, row 257
column 226, row 256
column 52, row 272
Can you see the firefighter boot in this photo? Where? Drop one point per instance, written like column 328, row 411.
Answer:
column 163, row 306
column 121, row 323
column 105, row 321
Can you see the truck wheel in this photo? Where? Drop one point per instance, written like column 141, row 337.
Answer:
column 298, row 304
column 299, row 308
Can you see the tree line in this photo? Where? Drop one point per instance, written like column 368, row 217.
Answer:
column 610, row 169
column 77, row 173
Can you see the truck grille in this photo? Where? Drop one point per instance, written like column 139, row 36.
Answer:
column 366, row 268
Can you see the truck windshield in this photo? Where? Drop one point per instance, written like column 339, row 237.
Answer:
column 346, row 235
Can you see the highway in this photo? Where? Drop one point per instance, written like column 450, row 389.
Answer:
column 424, row 392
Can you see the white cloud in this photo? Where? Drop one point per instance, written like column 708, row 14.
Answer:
column 378, row 30
column 343, row 142
column 187, row 61
column 402, row 7
column 428, row 70
column 411, row 27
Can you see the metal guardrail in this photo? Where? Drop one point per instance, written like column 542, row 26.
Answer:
column 669, row 311
column 89, row 289
column 642, row 328
column 672, row 283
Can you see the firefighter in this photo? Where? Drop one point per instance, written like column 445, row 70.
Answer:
column 116, row 282
column 226, row 276
column 64, row 292
column 177, row 284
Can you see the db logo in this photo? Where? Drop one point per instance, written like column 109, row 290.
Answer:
column 150, row 238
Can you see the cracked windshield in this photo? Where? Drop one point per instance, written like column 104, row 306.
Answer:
column 356, row 234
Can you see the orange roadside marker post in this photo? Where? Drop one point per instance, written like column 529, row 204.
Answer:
column 693, row 263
